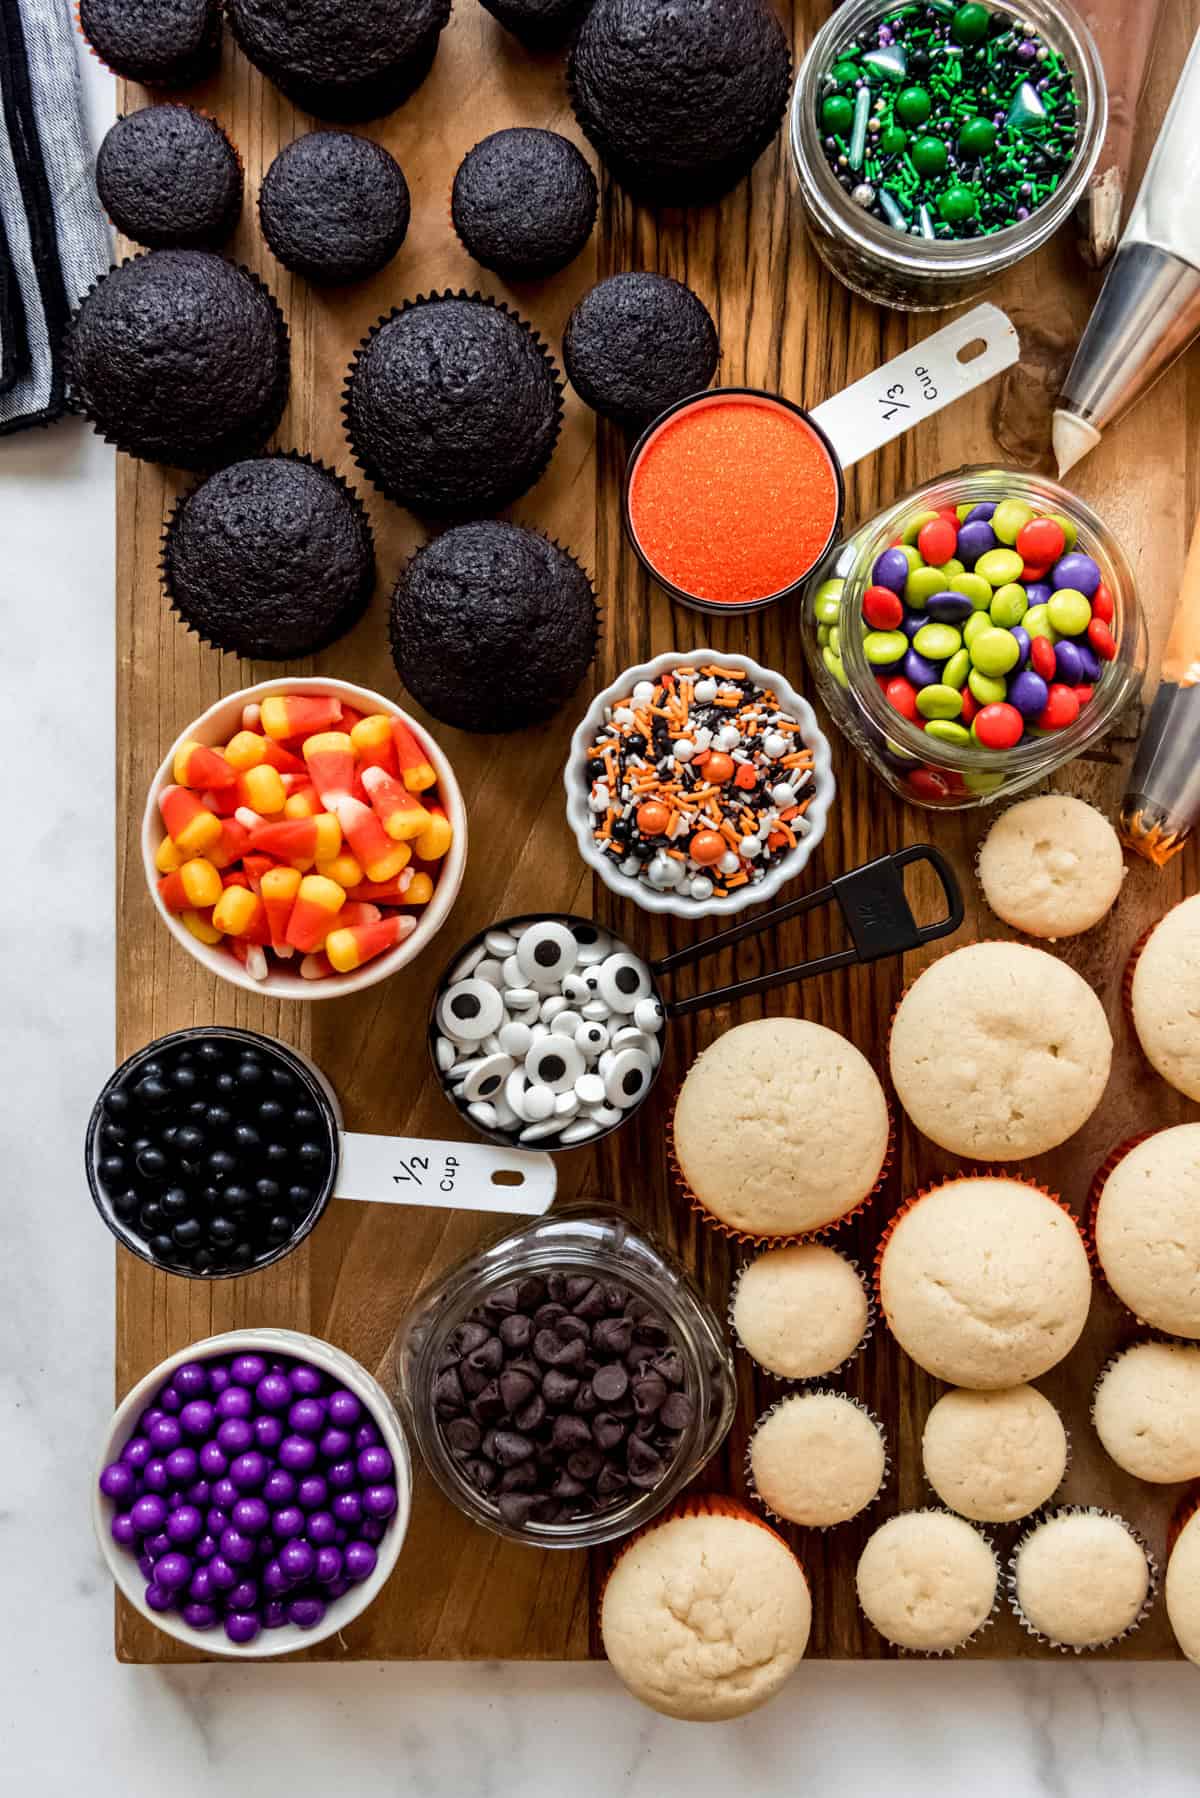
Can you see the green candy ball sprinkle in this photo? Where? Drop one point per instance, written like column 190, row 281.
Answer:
column 893, row 140
column 957, row 204
column 837, row 115
column 977, row 137
column 970, row 24
column 929, row 155
column 913, row 106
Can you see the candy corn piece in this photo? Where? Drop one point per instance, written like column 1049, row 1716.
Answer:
column 318, row 902
column 262, row 789
column 399, row 810
column 252, row 957
column 238, row 911
column 356, row 912
column 287, row 715
column 298, row 839
column 420, row 890
column 245, row 749
column 284, row 761
column 252, row 715
column 315, row 967
column 254, row 867
column 196, row 765
column 302, row 801
column 193, row 887
column 344, row 868
column 167, row 858
column 279, row 889
column 416, row 769
column 370, row 844
column 190, row 825
column 372, row 739
column 349, row 949
column 201, row 927
column 383, row 892
column 329, row 757
column 350, row 717
column 224, row 801
column 231, row 845
column 436, row 837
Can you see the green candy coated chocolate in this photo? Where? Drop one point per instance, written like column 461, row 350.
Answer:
column 921, row 585
column 953, row 567
column 937, row 642
column 837, row 115
column 1069, row 527
column 912, row 105
column 928, row 155
column 913, row 528
column 956, row 204
column 835, row 639
column 833, row 664
column 975, row 588
column 977, row 622
column 970, row 23
column 982, row 783
column 977, row 137
column 939, row 702
column 827, row 601
column 955, row 673
column 1009, row 605
column 823, row 631
column 1069, row 611
column 986, row 690
column 1037, row 622
column 962, row 510
column 947, row 731
column 882, row 648
column 994, row 652
column 893, row 140
column 1010, row 518
column 999, row 566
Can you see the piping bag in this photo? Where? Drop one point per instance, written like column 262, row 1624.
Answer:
column 1125, row 36
column 1149, row 307
column 1162, row 800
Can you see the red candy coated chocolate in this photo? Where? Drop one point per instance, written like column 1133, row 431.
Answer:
column 1102, row 639
column 902, row 695
column 1084, row 693
column 882, row 608
column 937, row 541
column 1062, row 708
column 970, row 706
column 999, row 726
column 927, row 783
column 1102, row 604
column 1041, row 657
column 1041, row 542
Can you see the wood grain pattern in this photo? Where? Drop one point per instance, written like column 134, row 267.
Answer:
column 784, row 323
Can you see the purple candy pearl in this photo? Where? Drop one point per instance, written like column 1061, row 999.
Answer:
column 235, row 1401
column 305, row 1381
column 274, row 1579
column 247, row 1370
column 158, row 1544
column 212, row 1461
column 190, row 1380
column 379, row 1501
column 251, row 1515
column 335, row 1445
column 297, row 1560
column 342, row 1475
column 279, row 1488
column 1078, row 571
column 974, row 540
column 288, row 1521
column 1068, row 665
column 890, row 570
column 365, row 1436
column 235, row 1436
column 216, row 1519
column 244, row 1596
column 307, row 1417
column 374, row 1465
column 249, row 1471
column 313, row 1492
column 199, row 1616
column 343, row 1408
column 169, row 1399
column 218, row 1377
column 297, row 1453
column 268, row 1432
column 224, row 1493
column 159, row 1598
column 241, row 1626
column 306, row 1613
column 118, row 1481
column 182, row 1466
column 155, row 1476
column 338, row 1588
column 321, row 1529
column 185, row 1524
column 223, row 1576
column 206, row 1548
column 200, row 1587
column 374, row 1529
column 136, row 1452
column 347, row 1507
column 148, row 1514
column 165, row 1434
column 123, row 1530
column 273, row 1392
column 237, row 1548
column 274, row 1614
column 196, row 1418
column 329, row 1565
column 1029, row 693
column 145, row 1565
column 359, row 1560
column 173, row 1571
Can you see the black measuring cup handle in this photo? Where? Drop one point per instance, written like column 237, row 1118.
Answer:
column 873, row 903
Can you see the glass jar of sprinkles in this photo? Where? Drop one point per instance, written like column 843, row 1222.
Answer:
column 936, row 144
column 946, row 767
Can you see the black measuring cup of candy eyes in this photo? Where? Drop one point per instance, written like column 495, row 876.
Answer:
column 545, row 1028
column 214, row 1152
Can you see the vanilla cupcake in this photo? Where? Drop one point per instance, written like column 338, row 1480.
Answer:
column 817, row 1459
column 800, row 1311
column 1080, row 1579
column 1164, row 997
column 1182, row 1588
column 1051, row 866
column 927, row 1581
column 1146, row 1409
column 985, row 1282
column 994, row 1456
column 1000, row 1051
column 706, row 1613
column 1147, row 1230
column 781, row 1128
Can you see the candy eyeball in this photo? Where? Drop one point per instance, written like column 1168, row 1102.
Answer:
column 547, row 951
column 471, row 1010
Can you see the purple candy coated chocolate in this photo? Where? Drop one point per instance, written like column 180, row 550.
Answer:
column 241, row 1627
column 213, row 1461
column 1076, row 570
column 191, row 1379
column 1038, row 592
column 890, row 570
column 235, row 1436
column 974, row 540
column 122, row 1530
column 919, row 671
column 118, row 1481
column 1068, row 664
column 185, row 1524
column 136, row 1452
column 329, row 1565
column 321, row 1528
column 297, row 1453
column 912, row 622
column 165, row 1434
column 247, row 1370
column 359, row 1560
column 182, row 1466
column 173, row 1571
column 306, row 1613
column 1089, row 662
column 307, row 1417
column 273, row 1392
column 274, row 1614
column 159, row 1598
column 949, row 607
column 268, row 1432
column 1022, row 637
column 279, row 1487
column 985, row 510
column 343, row 1409
column 199, row 1616
column 288, row 1521
column 1029, row 693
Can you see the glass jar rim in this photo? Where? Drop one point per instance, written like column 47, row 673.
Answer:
column 1025, row 757
column 952, row 257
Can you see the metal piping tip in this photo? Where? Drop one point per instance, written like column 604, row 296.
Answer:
column 1073, row 439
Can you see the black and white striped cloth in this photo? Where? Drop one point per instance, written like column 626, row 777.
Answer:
column 53, row 236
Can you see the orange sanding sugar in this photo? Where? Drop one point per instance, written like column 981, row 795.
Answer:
column 733, row 499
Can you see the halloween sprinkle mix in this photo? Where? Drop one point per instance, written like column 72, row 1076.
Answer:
column 949, row 121
column 699, row 782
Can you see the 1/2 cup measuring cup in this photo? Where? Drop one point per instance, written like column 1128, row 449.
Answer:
column 564, row 1057
column 733, row 496
column 215, row 1151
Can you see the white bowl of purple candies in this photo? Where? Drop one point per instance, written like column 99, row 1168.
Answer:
column 253, row 1493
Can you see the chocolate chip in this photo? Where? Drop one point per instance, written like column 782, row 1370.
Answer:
column 482, row 1472
column 463, row 1435
column 521, row 1478
column 546, row 1316
column 651, row 1329
column 610, row 1481
column 567, row 1486
column 612, row 1336
column 585, row 1400
column 670, row 1365
column 570, row 1432
column 585, row 1463
column 556, row 1286
column 503, row 1300
column 607, row 1430
column 510, row 1446
column 515, row 1507
column 516, row 1332
column 468, row 1337
column 677, row 1411
column 531, row 1416
column 473, row 1379
column 649, row 1391
column 643, row 1460
column 578, row 1285
column 488, row 1357
column 558, row 1388
column 610, row 1383
column 553, row 1352
column 488, row 1406
column 448, row 1393
column 592, row 1305
column 573, row 1329
column 516, row 1388
column 531, row 1291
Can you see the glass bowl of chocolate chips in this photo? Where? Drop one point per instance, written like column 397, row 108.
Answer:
column 566, row 1382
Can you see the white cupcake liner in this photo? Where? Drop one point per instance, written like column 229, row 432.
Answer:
column 802, row 1381
column 945, row 1654
column 1047, row 1515
column 779, row 1517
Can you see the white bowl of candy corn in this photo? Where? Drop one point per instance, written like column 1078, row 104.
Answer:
column 304, row 838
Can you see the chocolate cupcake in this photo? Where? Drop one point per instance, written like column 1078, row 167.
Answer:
column 453, row 405
column 680, row 100
column 538, row 24
column 161, row 43
column 179, row 356
column 524, row 202
column 637, row 343
column 334, row 207
column 493, row 627
column 348, row 60
column 270, row 558
column 168, row 176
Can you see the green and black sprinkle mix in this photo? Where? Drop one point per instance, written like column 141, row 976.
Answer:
column 949, row 121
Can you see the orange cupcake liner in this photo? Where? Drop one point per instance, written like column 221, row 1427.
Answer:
column 1091, row 1204
column 698, row 1504
column 1135, row 955
column 747, row 1238
column 1181, row 1516
column 969, row 1173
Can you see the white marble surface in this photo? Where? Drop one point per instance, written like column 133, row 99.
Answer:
column 73, row 1721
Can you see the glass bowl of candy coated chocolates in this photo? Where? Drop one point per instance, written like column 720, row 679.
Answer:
column 565, row 1383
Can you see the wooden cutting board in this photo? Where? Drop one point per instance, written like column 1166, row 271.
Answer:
column 459, row 1592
